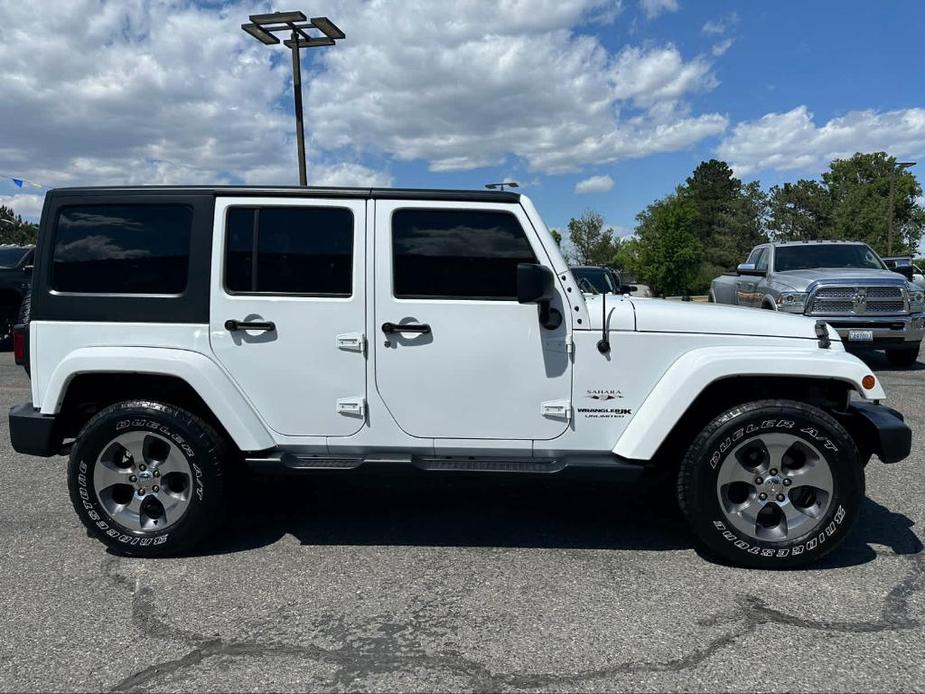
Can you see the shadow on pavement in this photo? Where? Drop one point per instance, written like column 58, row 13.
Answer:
column 877, row 362
column 426, row 510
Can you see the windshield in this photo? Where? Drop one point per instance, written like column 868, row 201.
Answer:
column 827, row 255
column 9, row 257
column 598, row 278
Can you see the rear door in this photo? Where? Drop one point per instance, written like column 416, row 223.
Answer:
column 457, row 357
column 288, row 309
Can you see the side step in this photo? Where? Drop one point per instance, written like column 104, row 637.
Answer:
column 277, row 462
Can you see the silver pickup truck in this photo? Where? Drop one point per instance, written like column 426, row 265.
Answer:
column 845, row 283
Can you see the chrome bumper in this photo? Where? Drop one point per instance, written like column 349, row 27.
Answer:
column 887, row 330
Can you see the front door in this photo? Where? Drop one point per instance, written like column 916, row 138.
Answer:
column 288, row 309
column 457, row 357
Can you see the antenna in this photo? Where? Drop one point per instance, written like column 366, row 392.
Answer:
column 603, row 345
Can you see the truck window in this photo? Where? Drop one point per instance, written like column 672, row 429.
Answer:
column 289, row 250
column 10, row 257
column 122, row 249
column 457, row 254
column 831, row 255
column 761, row 262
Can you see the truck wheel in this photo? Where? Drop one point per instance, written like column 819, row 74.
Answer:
column 904, row 357
column 8, row 317
column 147, row 478
column 771, row 484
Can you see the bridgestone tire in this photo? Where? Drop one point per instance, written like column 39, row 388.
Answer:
column 904, row 357
column 698, row 483
column 203, row 449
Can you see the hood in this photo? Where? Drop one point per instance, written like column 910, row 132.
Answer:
column 801, row 279
column 660, row 315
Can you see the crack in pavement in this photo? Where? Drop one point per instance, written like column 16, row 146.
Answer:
column 369, row 655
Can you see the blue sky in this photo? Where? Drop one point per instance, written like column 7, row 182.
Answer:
column 625, row 96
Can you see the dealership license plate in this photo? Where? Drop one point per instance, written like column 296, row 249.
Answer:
column 860, row 336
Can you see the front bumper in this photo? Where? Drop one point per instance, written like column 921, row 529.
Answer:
column 879, row 430
column 898, row 331
column 32, row 432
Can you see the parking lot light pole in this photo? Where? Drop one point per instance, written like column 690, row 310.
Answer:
column 900, row 165
column 264, row 28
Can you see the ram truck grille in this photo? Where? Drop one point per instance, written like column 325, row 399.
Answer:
column 857, row 301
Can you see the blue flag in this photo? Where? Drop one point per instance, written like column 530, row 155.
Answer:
column 18, row 182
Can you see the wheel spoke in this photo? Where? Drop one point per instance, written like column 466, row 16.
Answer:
column 814, row 473
column 107, row 474
column 733, row 471
column 174, row 462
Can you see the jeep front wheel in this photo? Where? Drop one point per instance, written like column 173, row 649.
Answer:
column 772, row 484
column 147, row 478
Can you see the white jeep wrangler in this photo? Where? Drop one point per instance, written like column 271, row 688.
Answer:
column 178, row 335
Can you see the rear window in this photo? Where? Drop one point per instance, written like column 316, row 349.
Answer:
column 122, row 249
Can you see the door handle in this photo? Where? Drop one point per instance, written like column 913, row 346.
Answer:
column 231, row 325
column 391, row 328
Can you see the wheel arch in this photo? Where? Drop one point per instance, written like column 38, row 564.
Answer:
column 704, row 382
column 91, row 378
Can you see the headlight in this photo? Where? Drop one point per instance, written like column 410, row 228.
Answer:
column 917, row 300
column 791, row 301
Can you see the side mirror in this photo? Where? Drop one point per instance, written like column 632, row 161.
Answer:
column 536, row 285
column 749, row 269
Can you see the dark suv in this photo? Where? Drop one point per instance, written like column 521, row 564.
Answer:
column 15, row 278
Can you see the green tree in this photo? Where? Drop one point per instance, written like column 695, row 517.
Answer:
column 591, row 243
column 556, row 236
column 800, row 211
column 666, row 252
column 15, row 230
column 729, row 216
column 859, row 188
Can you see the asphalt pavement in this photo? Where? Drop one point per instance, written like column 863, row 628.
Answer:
column 441, row 583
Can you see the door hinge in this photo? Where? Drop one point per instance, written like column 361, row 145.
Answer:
column 352, row 342
column 569, row 344
column 353, row 407
column 560, row 409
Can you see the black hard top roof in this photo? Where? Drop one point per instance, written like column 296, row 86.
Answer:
column 300, row 192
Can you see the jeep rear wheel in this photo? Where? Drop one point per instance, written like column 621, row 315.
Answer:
column 147, row 479
column 772, row 484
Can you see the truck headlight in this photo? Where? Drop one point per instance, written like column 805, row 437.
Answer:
column 917, row 300
column 791, row 301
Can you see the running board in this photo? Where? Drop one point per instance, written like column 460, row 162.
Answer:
column 282, row 462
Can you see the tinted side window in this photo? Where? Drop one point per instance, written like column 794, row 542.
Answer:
column 122, row 249
column 762, row 262
column 289, row 250
column 469, row 254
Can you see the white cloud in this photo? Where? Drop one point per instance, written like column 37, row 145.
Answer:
column 793, row 141
column 469, row 84
column 720, row 48
column 27, row 205
column 718, row 27
column 134, row 92
column 594, row 184
column 658, row 75
column 653, row 8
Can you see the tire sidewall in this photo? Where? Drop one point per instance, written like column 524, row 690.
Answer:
column 743, row 424
column 191, row 440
